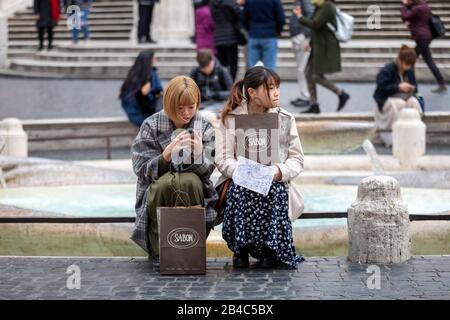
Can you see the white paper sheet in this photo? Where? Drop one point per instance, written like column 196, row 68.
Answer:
column 253, row 176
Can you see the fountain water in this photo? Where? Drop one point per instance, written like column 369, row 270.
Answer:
column 375, row 161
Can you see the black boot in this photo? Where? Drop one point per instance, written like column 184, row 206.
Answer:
column 314, row 108
column 240, row 260
column 343, row 97
column 268, row 259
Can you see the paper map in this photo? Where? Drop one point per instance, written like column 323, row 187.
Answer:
column 253, row 176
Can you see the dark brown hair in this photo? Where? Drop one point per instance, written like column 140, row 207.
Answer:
column 407, row 55
column 204, row 57
column 254, row 77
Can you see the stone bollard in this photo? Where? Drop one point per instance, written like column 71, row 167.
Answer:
column 378, row 223
column 14, row 138
column 408, row 138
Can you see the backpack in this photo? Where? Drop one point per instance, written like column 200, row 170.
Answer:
column 344, row 30
column 437, row 27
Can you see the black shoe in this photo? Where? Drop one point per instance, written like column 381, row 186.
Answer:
column 151, row 41
column 300, row 103
column 40, row 48
column 155, row 262
column 314, row 108
column 265, row 263
column 440, row 89
column 240, row 261
column 343, row 97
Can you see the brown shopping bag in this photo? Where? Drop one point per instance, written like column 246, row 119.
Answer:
column 182, row 240
column 257, row 137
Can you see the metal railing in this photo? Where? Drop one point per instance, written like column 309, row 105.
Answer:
column 440, row 216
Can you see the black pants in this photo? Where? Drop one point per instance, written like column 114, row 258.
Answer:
column 228, row 57
column 41, row 31
column 145, row 20
column 423, row 48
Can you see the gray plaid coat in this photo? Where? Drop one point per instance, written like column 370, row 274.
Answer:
column 155, row 134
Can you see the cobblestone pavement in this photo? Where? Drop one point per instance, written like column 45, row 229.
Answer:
column 423, row 277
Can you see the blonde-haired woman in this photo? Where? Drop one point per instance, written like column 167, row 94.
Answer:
column 173, row 159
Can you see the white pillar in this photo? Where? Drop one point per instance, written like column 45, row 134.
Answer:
column 3, row 40
column 173, row 21
column 378, row 223
column 13, row 140
column 408, row 137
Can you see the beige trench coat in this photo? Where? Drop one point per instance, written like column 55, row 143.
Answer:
column 291, row 153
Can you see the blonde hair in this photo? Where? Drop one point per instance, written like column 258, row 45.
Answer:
column 180, row 91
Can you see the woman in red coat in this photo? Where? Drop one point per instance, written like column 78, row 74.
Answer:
column 47, row 16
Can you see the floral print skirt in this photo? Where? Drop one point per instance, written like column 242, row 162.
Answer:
column 253, row 220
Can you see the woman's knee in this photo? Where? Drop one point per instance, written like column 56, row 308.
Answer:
column 189, row 180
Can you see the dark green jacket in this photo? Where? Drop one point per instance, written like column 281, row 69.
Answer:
column 326, row 53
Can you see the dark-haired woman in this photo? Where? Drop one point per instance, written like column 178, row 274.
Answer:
column 254, row 224
column 141, row 91
column 396, row 89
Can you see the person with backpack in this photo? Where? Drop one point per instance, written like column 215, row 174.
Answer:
column 264, row 21
column 325, row 52
column 417, row 14
column 300, row 37
column 396, row 89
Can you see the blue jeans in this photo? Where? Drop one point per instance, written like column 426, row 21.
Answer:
column 84, row 15
column 264, row 49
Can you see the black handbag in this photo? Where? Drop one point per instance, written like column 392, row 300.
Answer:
column 437, row 27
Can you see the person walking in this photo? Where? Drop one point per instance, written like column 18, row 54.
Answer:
column 300, row 37
column 264, row 20
column 47, row 16
column 417, row 14
column 225, row 14
column 325, row 52
column 145, row 20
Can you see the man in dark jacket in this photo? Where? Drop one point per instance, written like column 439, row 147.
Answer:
column 211, row 77
column 417, row 14
column 225, row 14
column 264, row 20
column 145, row 20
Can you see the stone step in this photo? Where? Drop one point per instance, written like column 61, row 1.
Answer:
column 66, row 35
column 181, row 57
column 94, row 10
column 117, row 70
column 99, row 46
column 63, row 28
column 97, row 22
column 32, row 18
